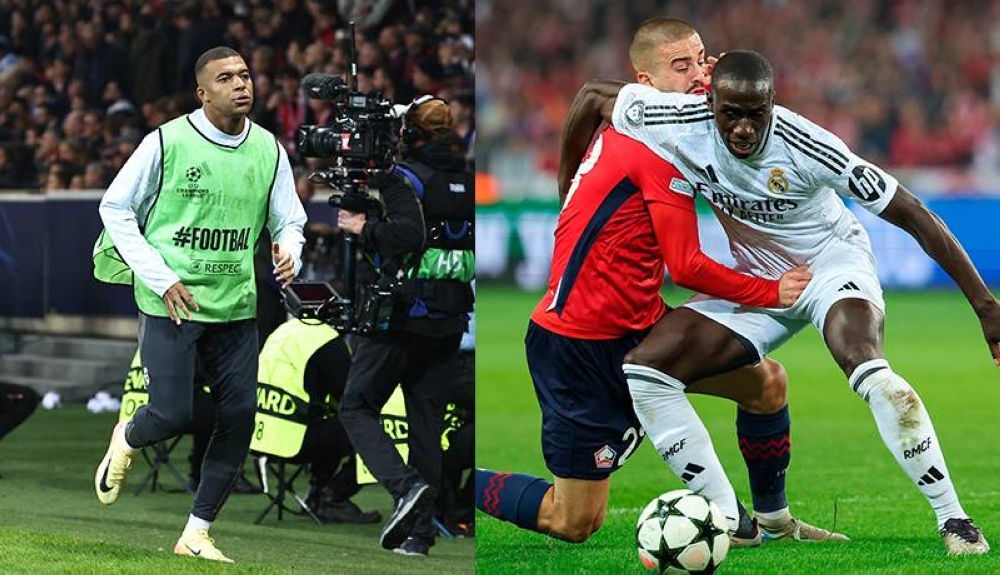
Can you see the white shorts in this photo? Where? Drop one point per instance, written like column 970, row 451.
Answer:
column 767, row 329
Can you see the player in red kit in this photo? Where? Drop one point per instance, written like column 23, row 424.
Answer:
column 635, row 212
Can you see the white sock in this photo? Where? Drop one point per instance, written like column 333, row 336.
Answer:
column 780, row 516
column 907, row 431
column 679, row 436
column 197, row 523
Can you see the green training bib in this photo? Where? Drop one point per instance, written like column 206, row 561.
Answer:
column 205, row 221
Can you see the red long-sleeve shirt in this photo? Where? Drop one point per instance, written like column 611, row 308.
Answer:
column 627, row 213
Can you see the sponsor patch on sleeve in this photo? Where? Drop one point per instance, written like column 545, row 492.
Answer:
column 635, row 113
column 681, row 186
column 866, row 183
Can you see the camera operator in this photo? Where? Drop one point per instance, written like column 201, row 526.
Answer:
column 425, row 239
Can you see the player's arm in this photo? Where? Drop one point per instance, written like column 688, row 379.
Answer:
column 285, row 220
column 908, row 213
column 401, row 230
column 593, row 104
column 676, row 226
column 837, row 167
column 129, row 200
column 670, row 201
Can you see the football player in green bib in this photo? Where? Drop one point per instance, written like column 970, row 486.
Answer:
column 182, row 218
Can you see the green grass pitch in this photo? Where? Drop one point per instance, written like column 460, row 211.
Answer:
column 838, row 460
column 51, row 521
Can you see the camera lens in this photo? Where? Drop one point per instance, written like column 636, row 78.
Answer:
column 318, row 141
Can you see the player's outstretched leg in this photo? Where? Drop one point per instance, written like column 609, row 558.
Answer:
column 113, row 469
column 853, row 332
column 512, row 497
column 679, row 436
column 684, row 347
column 765, row 442
column 907, row 431
column 570, row 509
column 763, row 428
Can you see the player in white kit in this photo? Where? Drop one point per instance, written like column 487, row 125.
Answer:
column 772, row 178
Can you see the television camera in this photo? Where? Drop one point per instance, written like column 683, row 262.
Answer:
column 361, row 139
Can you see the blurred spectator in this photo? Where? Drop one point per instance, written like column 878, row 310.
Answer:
column 13, row 166
column 366, row 13
column 97, row 63
column 95, row 176
column 58, row 176
column 82, row 82
column 427, row 76
column 463, row 115
column 912, row 143
column 10, row 63
column 914, row 83
column 194, row 36
column 289, row 106
column 262, row 60
column 147, row 61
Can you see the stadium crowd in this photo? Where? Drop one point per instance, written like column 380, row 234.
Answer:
column 82, row 82
column 902, row 82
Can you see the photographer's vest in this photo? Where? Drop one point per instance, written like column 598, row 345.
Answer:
column 209, row 211
column 282, row 400
column 443, row 276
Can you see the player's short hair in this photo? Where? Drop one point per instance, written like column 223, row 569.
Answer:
column 741, row 66
column 653, row 33
column 217, row 53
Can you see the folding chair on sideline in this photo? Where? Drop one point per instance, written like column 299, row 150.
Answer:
column 284, row 486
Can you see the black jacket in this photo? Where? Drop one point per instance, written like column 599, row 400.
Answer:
column 401, row 230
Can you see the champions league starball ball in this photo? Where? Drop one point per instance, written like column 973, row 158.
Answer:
column 682, row 532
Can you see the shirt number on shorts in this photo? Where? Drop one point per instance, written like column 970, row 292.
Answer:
column 632, row 436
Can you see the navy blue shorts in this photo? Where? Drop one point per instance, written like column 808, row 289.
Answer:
column 589, row 428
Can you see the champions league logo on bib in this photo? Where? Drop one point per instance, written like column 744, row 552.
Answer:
column 193, row 174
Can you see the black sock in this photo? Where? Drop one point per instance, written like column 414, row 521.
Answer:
column 766, row 447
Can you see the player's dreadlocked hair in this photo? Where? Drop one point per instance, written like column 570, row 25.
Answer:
column 741, row 66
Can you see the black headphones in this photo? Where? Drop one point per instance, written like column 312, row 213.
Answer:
column 411, row 131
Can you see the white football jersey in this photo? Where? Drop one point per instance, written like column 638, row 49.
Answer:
column 779, row 207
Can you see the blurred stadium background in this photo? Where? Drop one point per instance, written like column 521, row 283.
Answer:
column 81, row 83
column 911, row 85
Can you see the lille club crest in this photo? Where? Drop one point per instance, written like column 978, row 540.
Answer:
column 604, row 458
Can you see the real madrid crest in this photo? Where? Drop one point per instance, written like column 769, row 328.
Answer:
column 777, row 183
